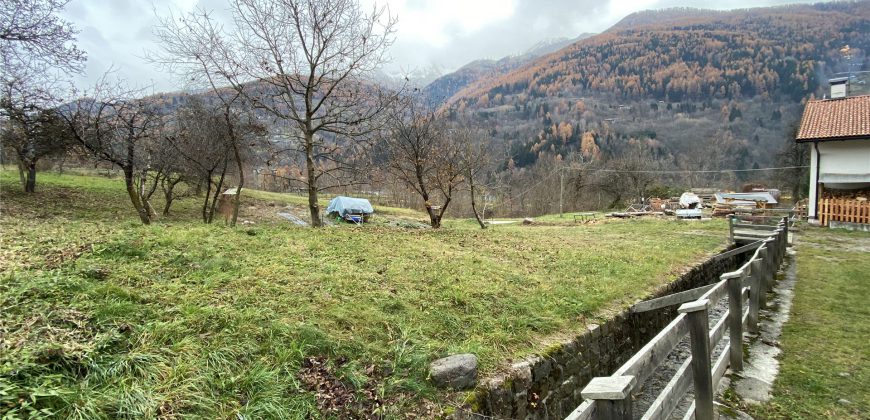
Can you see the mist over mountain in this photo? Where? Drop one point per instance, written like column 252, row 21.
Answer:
column 444, row 87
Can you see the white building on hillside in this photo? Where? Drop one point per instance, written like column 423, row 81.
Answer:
column 838, row 132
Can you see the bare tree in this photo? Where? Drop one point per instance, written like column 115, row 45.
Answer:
column 167, row 168
column 302, row 61
column 629, row 174
column 200, row 138
column 474, row 161
column 210, row 139
column 30, row 130
column 423, row 156
column 36, row 46
column 796, row 157
column 114, row 126
column 32, row 34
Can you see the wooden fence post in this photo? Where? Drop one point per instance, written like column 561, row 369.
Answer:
column 731, row 219
column 780, row 245
column 735, row 319
column 754, row 289
column 784, row 239
column 762, row 276
column 771, row 247
column 699, row 336
column 612, row 395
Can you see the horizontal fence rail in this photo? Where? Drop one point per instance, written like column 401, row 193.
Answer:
column 610, row 397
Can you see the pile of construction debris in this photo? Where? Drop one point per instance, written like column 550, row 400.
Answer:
column 745, row 202
column 690, row 205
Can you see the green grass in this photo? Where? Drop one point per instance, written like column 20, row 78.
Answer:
column 323, row 200
column 101, row 317
column 825, row 356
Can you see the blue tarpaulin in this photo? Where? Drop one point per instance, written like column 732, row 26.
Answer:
column 349, row 205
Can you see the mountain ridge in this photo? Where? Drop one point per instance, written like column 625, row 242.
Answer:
column 448, row 84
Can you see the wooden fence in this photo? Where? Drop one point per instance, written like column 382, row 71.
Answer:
column 751, row 228
column 843, row 210
column 610, row 397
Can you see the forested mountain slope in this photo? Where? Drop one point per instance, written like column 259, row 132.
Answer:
column 681, row 54
column 449, row 84
column 673, row 90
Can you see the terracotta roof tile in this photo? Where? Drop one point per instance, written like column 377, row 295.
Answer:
column 829, row 119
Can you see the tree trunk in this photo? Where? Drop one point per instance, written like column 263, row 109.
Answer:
column 134, row 196
column 60, row 165
column 168, row 204
column 30, row 185
column 146, row 195
column 448, row 197
column 474, row 204
column 313, row 205
column 434, row 218
column 21, row 175
column 217, row 193
column 168, row 186
column 207, row 198
column 238, row 158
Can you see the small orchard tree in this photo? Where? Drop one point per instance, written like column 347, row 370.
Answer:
column 32, row 35
column 32, row 134
column 304, row 62
column 211, row 139
column 474, row 160
column 36, row 46
column 423, row 155
column 114, row 126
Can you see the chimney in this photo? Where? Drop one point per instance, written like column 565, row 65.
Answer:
column 839, row 87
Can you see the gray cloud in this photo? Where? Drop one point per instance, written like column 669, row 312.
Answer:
column 532, row 22
column 118, row 32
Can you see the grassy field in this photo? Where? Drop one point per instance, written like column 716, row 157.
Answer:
column 101, row 317
column 825, row 353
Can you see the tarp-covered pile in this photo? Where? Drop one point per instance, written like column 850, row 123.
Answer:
column 344, row 206
column 690, row 201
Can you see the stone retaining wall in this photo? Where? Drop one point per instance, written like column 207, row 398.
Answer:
column 548, row 386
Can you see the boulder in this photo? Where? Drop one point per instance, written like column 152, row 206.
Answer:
column 456, row 372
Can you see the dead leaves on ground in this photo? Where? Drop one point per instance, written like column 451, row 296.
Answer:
column 337, row 397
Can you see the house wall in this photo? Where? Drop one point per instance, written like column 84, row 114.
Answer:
column 841, row 165
column 814, row 187
column 844, row 161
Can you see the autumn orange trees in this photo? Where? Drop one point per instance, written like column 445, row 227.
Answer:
column 682, row 55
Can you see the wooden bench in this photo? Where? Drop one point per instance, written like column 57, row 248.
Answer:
column 584, row 217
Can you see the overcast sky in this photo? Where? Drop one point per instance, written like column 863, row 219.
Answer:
column 444, row 34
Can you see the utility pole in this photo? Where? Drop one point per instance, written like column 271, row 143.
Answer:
column 561, row 189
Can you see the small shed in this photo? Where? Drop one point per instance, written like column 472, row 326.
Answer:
column 357, row 210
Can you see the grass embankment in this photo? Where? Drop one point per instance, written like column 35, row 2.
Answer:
column 103, row 317
column 825, row 356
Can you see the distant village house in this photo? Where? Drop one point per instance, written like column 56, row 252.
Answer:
column 838, row 132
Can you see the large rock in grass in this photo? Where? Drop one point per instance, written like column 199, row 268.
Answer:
column 457, row 372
